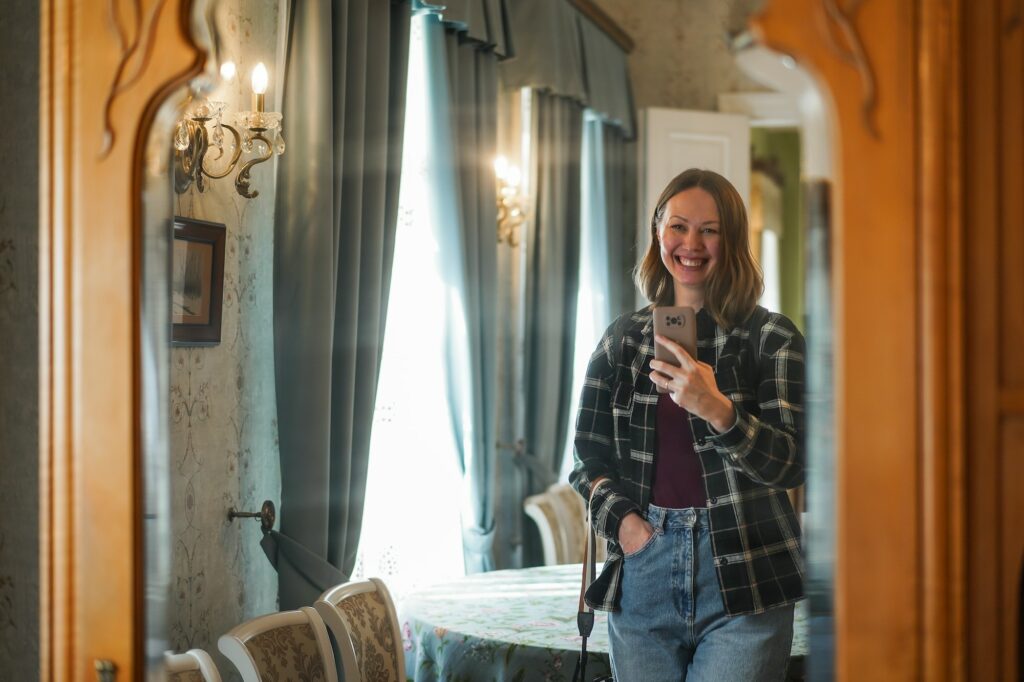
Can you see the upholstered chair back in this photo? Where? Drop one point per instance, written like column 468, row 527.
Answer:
column 279, row 647
column 362, row 618
column 195, row 665
column 561, row 515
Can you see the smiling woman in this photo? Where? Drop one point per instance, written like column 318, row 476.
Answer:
column 699, row 244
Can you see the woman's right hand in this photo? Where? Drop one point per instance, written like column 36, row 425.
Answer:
column 634, row 532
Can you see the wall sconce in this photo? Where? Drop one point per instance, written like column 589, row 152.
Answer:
column 511, row 209
column 202, row 130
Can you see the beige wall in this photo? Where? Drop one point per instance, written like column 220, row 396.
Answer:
column 223, row 426
column 681, row 59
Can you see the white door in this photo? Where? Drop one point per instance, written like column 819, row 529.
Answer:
column 672, row 140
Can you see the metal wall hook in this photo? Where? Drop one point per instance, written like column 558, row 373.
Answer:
column 267, row 515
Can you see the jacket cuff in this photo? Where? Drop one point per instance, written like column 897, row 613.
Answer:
column 737, row 440
column 613, row 508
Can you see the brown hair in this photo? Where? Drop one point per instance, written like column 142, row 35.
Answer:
column 735, row 283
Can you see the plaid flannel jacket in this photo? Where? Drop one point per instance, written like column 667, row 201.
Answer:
column 747, row 469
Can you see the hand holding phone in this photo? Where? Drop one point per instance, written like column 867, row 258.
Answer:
column 678, row 323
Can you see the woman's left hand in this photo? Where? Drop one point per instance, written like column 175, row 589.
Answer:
column 692, row 386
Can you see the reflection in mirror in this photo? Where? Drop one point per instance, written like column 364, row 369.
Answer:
column 209, row 416
column 807, row 110
column 465, row 422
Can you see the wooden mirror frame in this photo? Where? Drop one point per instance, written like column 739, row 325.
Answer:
column 103, row 78
column 894, row 74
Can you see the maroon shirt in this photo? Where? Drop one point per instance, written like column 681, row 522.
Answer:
column 678, row 475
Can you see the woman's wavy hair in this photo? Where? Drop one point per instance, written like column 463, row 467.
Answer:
column 735, row 284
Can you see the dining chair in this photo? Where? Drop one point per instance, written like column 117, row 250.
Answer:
column 545, row 514
column 363, row 620
column 195, row 665
column 289, row 645
column 561, row 516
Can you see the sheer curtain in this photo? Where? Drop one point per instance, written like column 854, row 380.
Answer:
column 593, row 306
column 412, row 521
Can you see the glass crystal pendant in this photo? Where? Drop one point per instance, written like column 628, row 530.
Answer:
column 181, row 137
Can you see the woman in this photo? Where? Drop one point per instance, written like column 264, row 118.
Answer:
column 689, row 487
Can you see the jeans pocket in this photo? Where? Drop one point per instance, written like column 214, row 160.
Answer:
column 644, row 547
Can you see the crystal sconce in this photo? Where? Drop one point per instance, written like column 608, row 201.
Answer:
column 200, row 145
column 511, row 210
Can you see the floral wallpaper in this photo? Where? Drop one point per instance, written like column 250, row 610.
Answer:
column 681, row 58
column 223, row 429
column 19, row 342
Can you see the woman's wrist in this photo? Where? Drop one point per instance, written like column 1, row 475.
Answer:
column 723, row 416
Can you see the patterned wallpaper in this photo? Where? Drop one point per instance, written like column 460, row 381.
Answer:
column 681, row 58
column 223, row 426
column 19, row 320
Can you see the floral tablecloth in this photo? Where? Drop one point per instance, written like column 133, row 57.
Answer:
column 514, row 625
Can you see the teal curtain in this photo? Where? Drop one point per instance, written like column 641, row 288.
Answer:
column 552, row 278
column 462, row 76
column 461, row 117
column 618, row 168
column 473, row 95
column 335, row 220
column 606, row 245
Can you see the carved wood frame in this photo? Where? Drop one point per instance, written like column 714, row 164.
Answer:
column 104, row 73
column 891, row 72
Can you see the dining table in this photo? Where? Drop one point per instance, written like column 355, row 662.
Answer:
column 516, row 625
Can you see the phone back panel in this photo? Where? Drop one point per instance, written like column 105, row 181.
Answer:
column 678, row 323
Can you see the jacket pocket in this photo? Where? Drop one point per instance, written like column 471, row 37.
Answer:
column 622, row 400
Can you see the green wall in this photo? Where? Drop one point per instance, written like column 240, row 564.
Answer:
column 784, row 146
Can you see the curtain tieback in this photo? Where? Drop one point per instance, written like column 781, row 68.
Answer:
column 530, row 462
column 478, row 540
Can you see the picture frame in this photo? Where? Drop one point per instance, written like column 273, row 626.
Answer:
column 197, row 281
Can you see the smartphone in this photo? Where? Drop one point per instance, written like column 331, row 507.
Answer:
column 678, row 323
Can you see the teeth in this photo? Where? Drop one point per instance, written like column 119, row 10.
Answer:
column 691, row 263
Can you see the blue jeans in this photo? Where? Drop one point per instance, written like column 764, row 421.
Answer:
column 673, row 626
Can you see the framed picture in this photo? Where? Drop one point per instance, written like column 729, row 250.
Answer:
column 197, row 282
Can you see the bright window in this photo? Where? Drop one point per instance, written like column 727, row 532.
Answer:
column 411, row 525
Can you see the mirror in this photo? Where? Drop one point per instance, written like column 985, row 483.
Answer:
column 212, row 437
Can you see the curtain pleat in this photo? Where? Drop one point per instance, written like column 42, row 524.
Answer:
column 471, row 249
column 620, row 210
column 552, row 282
column 335, row 222
column 561, row 52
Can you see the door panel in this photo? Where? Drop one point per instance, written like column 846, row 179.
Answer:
column 673, row 140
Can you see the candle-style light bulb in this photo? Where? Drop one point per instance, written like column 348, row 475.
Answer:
column 227, row 71
column 260, row 79
column 501, row 167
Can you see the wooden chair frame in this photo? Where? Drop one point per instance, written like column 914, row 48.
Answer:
column 232, row 643
column 327, row 607
column 193, row 659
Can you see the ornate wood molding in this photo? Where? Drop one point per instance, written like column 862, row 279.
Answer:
column 101, row 73
column 842, row 36
column 137, row 46
column 893, row 119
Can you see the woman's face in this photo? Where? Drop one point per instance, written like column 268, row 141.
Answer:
column 690, row 237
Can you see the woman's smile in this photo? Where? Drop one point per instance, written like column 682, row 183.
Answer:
column 689, row 237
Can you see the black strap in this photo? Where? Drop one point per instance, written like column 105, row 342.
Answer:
column 585, row 614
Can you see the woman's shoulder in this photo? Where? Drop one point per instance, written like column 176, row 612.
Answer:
column 774, row 328
column 631, row 323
